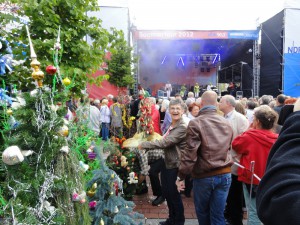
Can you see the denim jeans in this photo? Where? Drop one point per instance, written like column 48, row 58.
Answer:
column 105, row 131
column 251, row 207
column 210, row 196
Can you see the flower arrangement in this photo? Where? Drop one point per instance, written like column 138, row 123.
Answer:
column 145, row 121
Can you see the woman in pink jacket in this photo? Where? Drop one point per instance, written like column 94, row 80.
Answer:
column 254, row 145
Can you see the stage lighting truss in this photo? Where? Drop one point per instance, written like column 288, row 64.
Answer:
column 206, row 61
column 200, row 60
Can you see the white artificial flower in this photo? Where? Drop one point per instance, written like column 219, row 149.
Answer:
column 33, row 93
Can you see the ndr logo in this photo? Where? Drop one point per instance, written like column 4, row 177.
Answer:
column 293, row 49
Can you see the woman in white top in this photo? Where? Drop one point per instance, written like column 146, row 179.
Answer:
column 105, row 118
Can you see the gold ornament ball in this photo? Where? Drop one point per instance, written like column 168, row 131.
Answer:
column 9, row 112
column 66, row 81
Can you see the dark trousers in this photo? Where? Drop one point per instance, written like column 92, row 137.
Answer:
column 155, row 169
column 188, row 185
column 234, row 207
column 169, row 190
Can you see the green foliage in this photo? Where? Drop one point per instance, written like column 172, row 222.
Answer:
column 119, row 66
column 79, row 59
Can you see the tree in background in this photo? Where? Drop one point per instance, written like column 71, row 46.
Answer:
column 119, row 65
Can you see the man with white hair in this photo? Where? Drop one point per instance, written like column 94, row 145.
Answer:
column 94, row 118
column 239, row 124
column 190, row 99
column 110, row 100
column 97, row 103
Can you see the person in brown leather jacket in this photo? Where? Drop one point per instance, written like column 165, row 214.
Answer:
column 207, row 158
column 172, row 143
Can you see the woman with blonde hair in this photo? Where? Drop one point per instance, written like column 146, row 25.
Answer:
column 105, row 118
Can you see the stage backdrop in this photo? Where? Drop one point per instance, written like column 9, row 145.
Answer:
column 157, row 67
column 291, row 78
column 188, row 57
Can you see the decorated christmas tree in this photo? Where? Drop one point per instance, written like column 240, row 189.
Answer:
column 42, row 174
column 44, row 169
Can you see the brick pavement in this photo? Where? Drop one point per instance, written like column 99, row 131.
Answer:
column 144, row 206
column 155, row 214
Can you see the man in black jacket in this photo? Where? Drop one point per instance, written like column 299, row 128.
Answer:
column 278, row 194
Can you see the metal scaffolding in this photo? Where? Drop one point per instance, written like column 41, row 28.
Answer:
column 256, row 68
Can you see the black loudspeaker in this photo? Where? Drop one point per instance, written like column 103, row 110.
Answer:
column 202, row 69
column 222, row 76
column 247, row 93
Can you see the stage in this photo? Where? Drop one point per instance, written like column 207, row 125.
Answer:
column 189, row 57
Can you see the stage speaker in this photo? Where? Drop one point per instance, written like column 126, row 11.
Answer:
column 247, row 93
column 208, row 70
column 239, row 94
column 202, row 69
column 221, row 77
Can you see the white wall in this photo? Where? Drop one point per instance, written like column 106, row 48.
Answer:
column 113, row 17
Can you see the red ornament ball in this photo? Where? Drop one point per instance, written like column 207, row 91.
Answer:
column 51, row 70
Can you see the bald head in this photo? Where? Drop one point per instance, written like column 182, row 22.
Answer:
column 209, row 98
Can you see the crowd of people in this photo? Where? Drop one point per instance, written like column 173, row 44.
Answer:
column 224, row 151
column 218, row 148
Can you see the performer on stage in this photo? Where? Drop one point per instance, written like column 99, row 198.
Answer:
column 182, row 91
column 209, row 86
column 231, row 89
column 168, row 89
column 196, row 90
